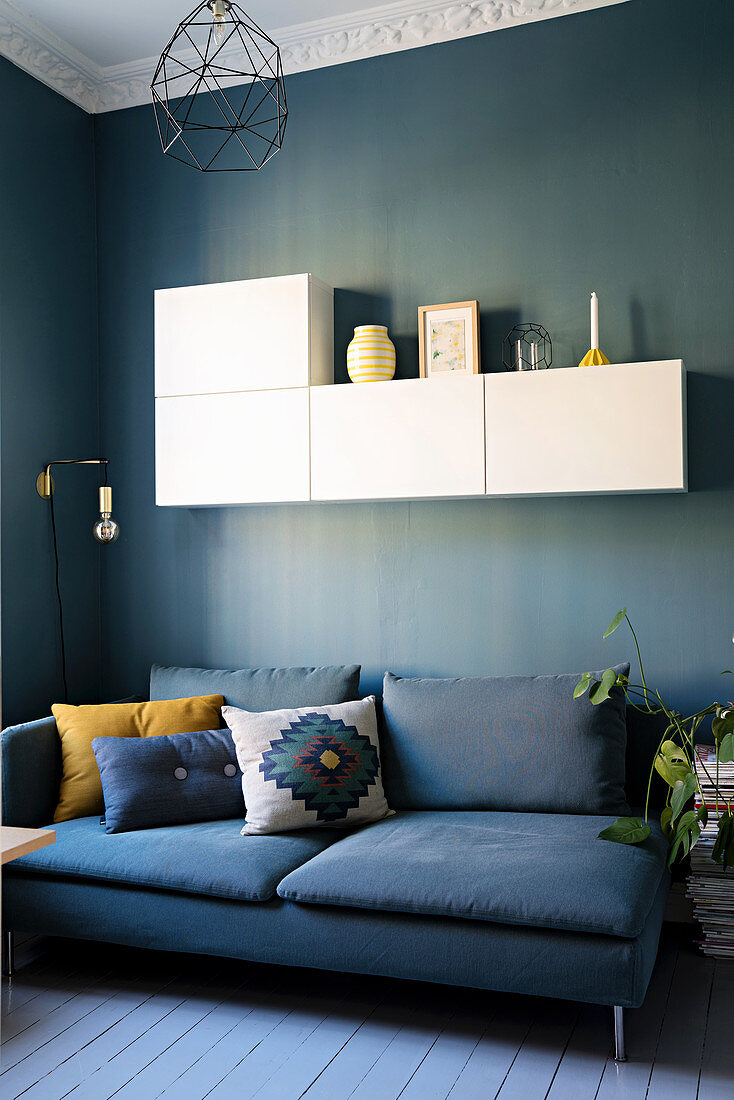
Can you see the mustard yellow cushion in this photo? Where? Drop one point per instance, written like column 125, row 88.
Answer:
column 80, row 794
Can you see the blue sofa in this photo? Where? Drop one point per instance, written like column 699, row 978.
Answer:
column 529, row 902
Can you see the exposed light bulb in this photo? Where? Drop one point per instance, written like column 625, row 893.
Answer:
column 105, row 529
column 219, row 10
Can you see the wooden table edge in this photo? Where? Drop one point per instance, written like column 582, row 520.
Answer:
column 18, row 842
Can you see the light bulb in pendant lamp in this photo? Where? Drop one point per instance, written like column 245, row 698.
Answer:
column 105, row 529
column 219, row 10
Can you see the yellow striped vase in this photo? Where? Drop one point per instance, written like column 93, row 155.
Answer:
column 371, row 355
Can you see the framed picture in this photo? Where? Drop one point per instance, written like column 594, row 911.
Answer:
column 448, row 339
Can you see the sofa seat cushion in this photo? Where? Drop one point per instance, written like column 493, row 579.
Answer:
column 541, row 870
column 209, row 858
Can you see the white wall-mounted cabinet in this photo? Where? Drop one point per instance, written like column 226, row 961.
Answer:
column 254, row 334
column 613, row 429
column 233, row 448
column 401, row 439
column 246, row 414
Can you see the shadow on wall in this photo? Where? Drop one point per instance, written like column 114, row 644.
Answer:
column 494, row 325
column 710, row 419
column 352, row 308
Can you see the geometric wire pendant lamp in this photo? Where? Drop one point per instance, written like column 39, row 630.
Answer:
column 219, row 92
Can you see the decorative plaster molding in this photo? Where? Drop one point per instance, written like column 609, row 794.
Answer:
column 404, row 25
column 31, row 46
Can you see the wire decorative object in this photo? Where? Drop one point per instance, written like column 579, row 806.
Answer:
column 219, row 91
column 527, row 347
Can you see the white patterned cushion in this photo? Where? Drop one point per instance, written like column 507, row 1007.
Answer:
column 311, row 766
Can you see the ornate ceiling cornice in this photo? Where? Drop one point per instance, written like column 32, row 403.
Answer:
column 404, row 25
column 33, row 47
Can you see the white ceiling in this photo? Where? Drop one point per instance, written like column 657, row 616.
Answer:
column 101, row 54
column 112, row 33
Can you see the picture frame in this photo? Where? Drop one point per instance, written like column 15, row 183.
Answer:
column 448, row 339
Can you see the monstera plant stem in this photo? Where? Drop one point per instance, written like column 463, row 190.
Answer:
column 675, row 761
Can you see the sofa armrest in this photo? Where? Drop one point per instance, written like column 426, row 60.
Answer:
column 31, row 770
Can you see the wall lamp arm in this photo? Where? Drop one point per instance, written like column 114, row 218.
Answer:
column 45, row 483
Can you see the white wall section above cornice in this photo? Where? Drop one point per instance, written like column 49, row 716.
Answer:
column 404, row 25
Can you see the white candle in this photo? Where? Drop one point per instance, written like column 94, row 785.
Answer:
column 594, row 320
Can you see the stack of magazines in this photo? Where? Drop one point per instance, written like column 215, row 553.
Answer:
column 710, row 887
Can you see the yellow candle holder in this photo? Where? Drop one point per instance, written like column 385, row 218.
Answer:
column 594, row 358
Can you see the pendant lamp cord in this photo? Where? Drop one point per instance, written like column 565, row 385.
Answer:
column 58, row 597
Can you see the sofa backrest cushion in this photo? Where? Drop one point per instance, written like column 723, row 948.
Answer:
column 260, row 688
column 518, row 743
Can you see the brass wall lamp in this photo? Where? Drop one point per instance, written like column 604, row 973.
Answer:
column 105, row 529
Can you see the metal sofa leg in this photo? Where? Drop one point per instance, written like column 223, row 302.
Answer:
column 619, row 1051
column 8, row 954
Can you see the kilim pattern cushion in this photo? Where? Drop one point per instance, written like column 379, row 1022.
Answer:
column 311, row 766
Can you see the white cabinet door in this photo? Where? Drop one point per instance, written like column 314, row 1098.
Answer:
column 401, row 439
column 255, row 334
column 239, row 448
column 611, row 429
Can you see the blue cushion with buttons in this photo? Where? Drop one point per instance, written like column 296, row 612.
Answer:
column 169, row 780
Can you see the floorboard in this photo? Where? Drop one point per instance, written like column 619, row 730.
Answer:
column 678, row 1058
column 402, row 1056
column 92, row 1022
column 642, row 1032
column 442, row 1066
column 357, row 1057
column 171, row 1014
column 41, row 1009
column 267, row 1006
column 532, row 1072
column 717, row 1063
column 273, row 1054
column 97, row 1051
column 492, row 1057
column 580, row 1070
column 304, row 1064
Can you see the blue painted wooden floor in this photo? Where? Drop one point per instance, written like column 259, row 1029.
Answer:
column 91, row 1022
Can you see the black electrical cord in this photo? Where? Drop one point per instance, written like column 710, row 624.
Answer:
column 58, row 597
column 65, row 462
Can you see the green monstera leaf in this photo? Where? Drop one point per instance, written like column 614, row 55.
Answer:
column 671, row 763
column 616, row 622
column 666, row 818
column 583, row 685
column 683, row 791
column 724, row 848
column 626, row 830
column 600, row 690
column 687, row 832
column 723, row 723
column 726, row 749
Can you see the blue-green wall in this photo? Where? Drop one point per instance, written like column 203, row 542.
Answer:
column 48, row 391
column 524, row 168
